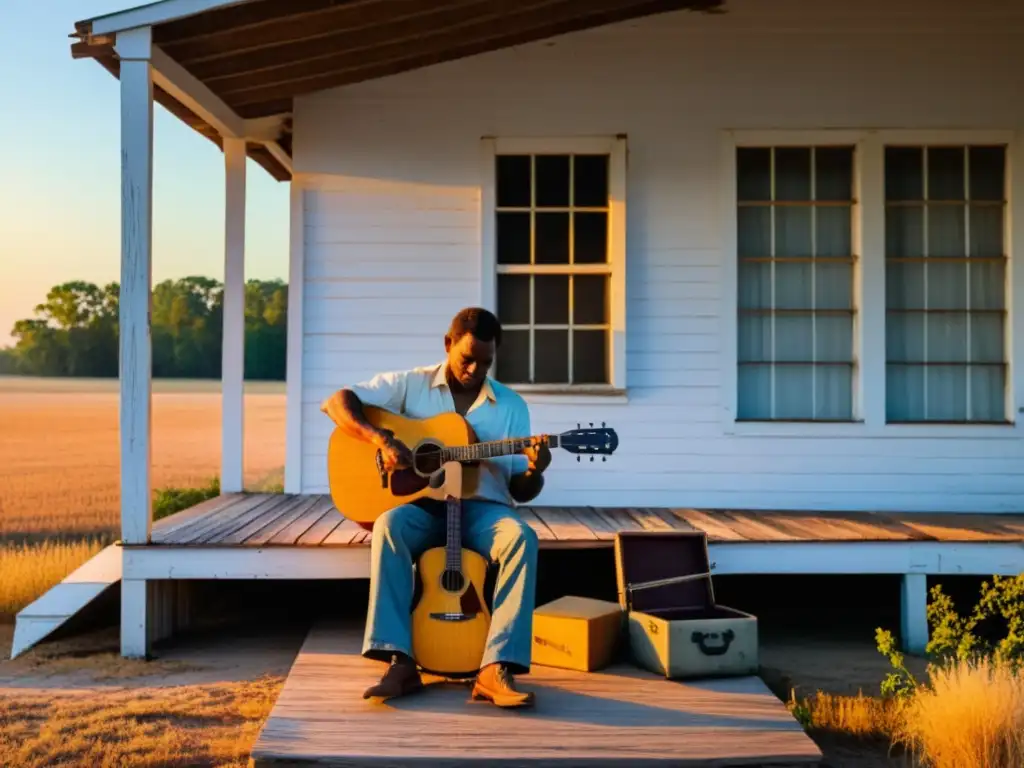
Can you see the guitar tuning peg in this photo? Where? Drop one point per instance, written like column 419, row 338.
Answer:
column 604, row 458
column 602, row 425
column 591, row 423
column 577, row 425
column 578, row 458
column 591, row 458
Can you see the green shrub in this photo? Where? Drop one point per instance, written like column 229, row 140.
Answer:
column 167, row 501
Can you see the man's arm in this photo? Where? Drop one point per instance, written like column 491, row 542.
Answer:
column 345, row 408
column 526, row 486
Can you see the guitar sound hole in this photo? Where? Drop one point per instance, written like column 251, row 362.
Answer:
column 427, row 458
column 452, row 581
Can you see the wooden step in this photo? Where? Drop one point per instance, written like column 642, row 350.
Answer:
column 617, row 716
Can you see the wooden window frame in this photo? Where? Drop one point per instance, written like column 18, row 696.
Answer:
column 616, row 148
column 869, row 282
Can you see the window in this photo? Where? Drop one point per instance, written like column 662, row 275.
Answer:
column 945, row 283
column 557, row 248
column 795, row 283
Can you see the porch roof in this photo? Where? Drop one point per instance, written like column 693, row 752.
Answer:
column 251, row 58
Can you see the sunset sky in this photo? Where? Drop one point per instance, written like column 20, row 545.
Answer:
column 60, row 173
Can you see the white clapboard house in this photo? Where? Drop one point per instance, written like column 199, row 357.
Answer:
column 774, row 244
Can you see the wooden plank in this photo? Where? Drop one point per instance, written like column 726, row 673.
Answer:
column 715, row 528
column 588, row 516
column 347, row 533
column 265, row 534
column 619, row 715
column 320, row 509
column 618, row 519
column 563, row 524
column 961, row 527
column 543, row 532
column 190, row 533
column 315, row 536
column 649, row 519
column 238, row 532
column 191, row 516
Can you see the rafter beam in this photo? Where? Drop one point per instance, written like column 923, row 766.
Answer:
column 177, row 81
column 154, row 13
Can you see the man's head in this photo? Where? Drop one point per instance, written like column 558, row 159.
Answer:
column 471, row 342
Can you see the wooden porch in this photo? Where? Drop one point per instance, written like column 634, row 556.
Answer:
column 312, row 520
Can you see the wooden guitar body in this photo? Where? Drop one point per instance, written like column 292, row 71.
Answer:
column 356, row 486
column 451, row 621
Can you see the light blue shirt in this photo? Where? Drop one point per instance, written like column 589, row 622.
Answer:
column 499, row 413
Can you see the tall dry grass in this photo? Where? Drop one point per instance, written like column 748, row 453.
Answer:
column 29, row 570
column 60, row 452
column 969, row 714
column 964, row 714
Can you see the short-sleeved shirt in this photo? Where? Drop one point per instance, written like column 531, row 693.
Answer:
column 499, row 413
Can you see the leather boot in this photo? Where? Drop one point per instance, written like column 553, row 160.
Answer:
column 495, row 683
column 401, row 678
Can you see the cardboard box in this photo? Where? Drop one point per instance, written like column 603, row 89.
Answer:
column 676, row 628
column 576, row 633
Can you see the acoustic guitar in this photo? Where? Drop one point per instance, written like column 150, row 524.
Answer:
column 451, row 620
column 362, row 490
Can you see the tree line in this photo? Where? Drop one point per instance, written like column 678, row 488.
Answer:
column 75, row 331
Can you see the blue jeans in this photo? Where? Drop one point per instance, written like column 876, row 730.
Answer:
column 493, row 530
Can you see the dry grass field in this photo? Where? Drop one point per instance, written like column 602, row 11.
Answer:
column 59, row 459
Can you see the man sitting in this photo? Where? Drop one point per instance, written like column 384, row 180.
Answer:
column 490, row 525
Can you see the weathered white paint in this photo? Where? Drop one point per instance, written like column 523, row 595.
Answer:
column 914, row 612
column 71, row 595
column 155, row 13
column 730, row 558
column 233, row 346
column 133, row 47
column 183, row 86
column 394, row 237
column 294, row 414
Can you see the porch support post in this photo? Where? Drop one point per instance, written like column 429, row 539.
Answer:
column 233, row 343
column 914, row 613
column 134, row 48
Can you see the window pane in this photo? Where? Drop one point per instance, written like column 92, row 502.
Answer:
column 946, row 390
column 947, row 284
column 753, row 173
column 755, row 231
column 754, row 387
column 513, row 238
column 904, row 392
column 514, row 299
column 987, row 173
column 833, row 392
column 988, row 343
column 551, row 299
column 833, row 340
column 904, row 231
column 905, row 336
column 986, row 230
column 947, row 337
column 793, row 231
column 794, row 339
column 792, row 173
column 513, row 181
column 551, row 361
column 988, row 392
column 590, row 180
column 793, row 387
column 904, row 173
column 754, row 338
column 988, row 284
column 833, row 231
column 590, row 299
column 833, row 172
column 794, row 283
column 755, row 285
column 552, row 183
column 947, row 234
column 552, row 238
column 590, row 357
column 833, row 285
column 513, row 358
column 590, row 245
column 946, row 173
column 904, row 285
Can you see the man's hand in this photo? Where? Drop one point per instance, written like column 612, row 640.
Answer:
column 538, row 455
column 395, row 453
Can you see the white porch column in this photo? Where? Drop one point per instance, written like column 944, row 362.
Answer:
column 134, row 47
column 914, row 613
column 233, row 344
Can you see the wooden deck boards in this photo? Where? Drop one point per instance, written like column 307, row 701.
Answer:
column 268, row 520
column 617, row 716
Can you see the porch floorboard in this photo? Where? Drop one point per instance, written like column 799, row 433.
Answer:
column 312, row 520
column 620, row 715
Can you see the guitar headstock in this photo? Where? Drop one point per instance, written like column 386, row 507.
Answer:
column 590, row 441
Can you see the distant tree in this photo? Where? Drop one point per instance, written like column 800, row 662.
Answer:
column 75, row 331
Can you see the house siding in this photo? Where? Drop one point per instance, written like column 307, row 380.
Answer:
column 391, row 220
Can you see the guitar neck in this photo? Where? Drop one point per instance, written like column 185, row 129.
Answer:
column 453, row 546
column 491, row 449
